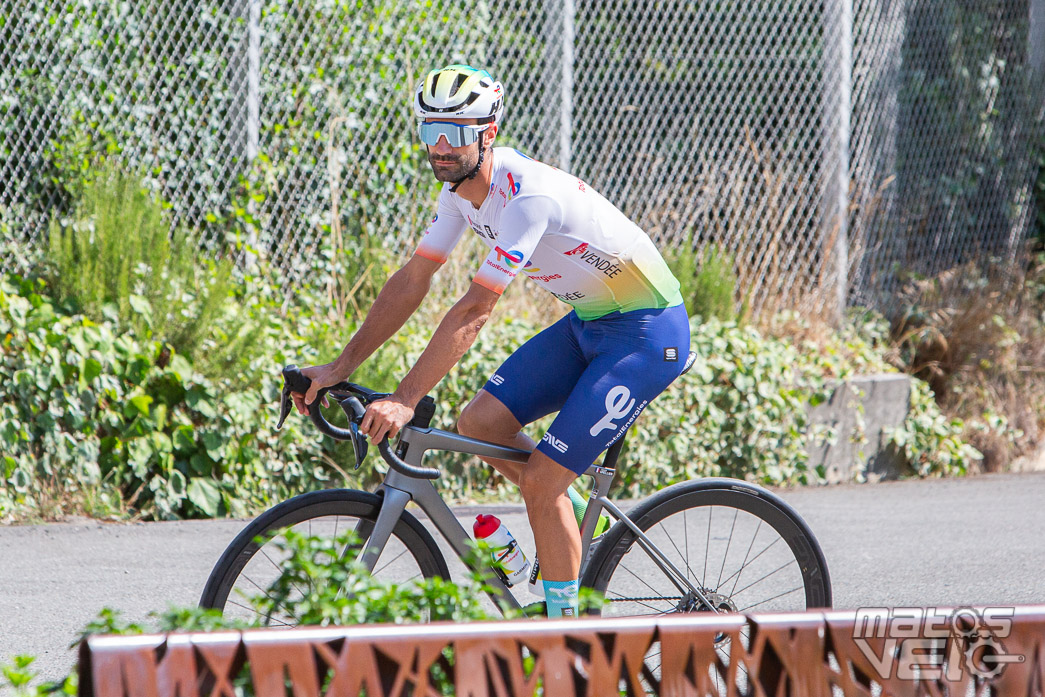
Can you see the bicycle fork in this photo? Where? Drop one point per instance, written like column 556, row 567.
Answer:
column 397, row 491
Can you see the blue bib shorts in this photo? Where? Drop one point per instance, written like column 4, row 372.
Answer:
column 598, row 374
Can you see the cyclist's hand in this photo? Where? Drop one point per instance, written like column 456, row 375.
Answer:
column 321, row 376
column 385, row 417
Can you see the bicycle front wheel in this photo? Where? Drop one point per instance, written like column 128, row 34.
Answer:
column 743, row 548
column 241, row 582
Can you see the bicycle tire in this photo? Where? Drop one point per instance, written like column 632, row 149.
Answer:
column 307, row 509
column 697, row 496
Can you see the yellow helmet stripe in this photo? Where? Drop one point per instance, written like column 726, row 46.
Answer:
column 439, row 83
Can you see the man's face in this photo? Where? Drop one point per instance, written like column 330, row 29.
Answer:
column 452, row 164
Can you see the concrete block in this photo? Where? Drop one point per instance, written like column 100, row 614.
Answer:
column 859, row 410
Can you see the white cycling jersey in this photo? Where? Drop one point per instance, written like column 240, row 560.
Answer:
column 562, row 234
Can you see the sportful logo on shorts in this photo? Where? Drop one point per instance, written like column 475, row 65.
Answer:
column 617, row 407
column 555, row 443
column 497, row 379
column 512, row 258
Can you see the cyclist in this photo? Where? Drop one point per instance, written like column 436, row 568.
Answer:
column 624, row 341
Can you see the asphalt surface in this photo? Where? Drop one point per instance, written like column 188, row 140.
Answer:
column 974, row 541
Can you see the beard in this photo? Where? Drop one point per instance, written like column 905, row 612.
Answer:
column 450, row 168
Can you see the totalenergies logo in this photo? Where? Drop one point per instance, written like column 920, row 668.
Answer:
column 530, row 268
column 512, row 259
column 513, row 187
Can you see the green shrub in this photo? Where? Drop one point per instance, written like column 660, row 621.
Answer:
column 117, row 256
column 708, row 282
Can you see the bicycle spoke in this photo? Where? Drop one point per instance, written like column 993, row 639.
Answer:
column 771, row 573
column 732, row 529
column 747, row 554
column 767, row 600
column 390, row 561
column 740, row 571
column 641, row 580
column 681, row 556
column 707, row 545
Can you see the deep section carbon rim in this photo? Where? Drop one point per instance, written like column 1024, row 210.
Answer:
column 251, row 564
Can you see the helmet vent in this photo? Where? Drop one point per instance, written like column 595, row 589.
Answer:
column 457, row 84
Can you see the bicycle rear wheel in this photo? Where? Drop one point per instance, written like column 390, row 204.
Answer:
column 743, row 548
column 251, row 565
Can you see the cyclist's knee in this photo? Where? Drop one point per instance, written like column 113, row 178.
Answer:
column 542, row 480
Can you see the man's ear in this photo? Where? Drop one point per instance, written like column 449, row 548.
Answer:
column 489, row 134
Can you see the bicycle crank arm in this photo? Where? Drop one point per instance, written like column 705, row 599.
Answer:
column 680, row 580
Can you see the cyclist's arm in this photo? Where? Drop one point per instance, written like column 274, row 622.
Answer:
column 454, row 336
column 399, row 298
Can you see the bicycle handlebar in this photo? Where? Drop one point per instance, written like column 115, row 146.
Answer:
column 295, row 381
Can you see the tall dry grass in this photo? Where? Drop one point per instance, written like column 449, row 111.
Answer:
column 976, row 335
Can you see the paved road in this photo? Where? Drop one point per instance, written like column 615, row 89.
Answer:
column 972, row 541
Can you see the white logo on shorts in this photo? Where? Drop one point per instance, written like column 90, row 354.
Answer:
column 555, row 443
column 496, row 379
column 615, row 409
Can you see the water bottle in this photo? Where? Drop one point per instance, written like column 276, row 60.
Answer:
column 507, row 554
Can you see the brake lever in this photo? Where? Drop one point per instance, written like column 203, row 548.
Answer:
column 293, row 381
column 286, row 403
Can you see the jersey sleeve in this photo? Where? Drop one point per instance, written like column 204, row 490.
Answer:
column 443, row 232
column 523, row 223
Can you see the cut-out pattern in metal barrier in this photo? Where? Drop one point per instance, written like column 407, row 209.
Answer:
column 874, row 652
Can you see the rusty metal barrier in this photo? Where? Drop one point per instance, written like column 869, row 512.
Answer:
column 883, row 652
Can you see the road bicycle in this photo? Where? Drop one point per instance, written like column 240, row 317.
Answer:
column 708, row 545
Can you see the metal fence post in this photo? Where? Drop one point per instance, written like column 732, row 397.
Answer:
column 569, row 12
column 253, row 79
column 838, row 105
column 557, row 115
column 1036, row 54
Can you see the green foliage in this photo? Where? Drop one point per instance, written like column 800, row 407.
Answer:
column 116, row 256
column 323, row 586
column 100, row 422
column 19, row 676
column 708, row 282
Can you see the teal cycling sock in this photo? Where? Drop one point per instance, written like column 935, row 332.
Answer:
column 560, row 598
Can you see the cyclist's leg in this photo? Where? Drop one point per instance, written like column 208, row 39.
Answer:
column 534, row 381
column 487, row 418
column 633, row 357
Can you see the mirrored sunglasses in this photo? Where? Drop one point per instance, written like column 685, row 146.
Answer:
column 456, row 135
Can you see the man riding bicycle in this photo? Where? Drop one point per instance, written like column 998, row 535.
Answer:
column 625, row 340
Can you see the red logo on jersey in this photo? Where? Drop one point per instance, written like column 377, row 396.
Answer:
column 577, row 250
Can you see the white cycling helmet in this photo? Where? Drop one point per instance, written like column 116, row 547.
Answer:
column 459, row 91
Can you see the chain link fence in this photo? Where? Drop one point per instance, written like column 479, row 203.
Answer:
column 829, row 146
